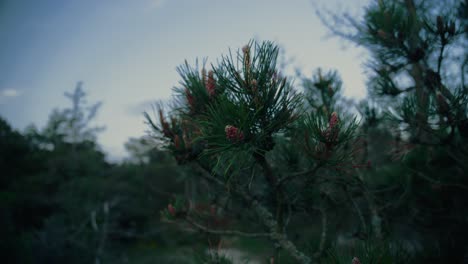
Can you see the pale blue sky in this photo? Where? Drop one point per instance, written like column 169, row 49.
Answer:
column 126, row 51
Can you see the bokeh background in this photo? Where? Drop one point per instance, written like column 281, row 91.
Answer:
column 125, row 52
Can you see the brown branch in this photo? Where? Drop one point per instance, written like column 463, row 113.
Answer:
column 267, row 218
column 323, row 235
column 273, row 181
column 416, row 73
column 268, row 171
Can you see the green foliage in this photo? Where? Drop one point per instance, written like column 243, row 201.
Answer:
column 371, row 252
column 255, row 120
column 314, row 156
column 322, row 91
column 420, row 87
column 63, row 202
column 389, row 28
column 323, row 140
column 212, row 258
column 293, row 171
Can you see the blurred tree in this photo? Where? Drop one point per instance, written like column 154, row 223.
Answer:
column 21, row 209
column 418, row 70
column 63, row 202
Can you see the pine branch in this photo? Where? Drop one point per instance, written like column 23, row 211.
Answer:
column 263, row 214
column 323, row 234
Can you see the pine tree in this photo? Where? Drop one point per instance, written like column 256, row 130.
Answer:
column 418, row 63
column 285, row 159
column 245, row 130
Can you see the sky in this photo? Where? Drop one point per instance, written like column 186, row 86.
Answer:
column 126, row 52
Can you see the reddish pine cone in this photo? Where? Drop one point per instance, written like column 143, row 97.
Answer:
column 176, row 141
column 334, row 120
column 165, row 126
column 331, row 133
column 254, row 85
column 203, row 74
column 211, row 84
column 356, row 261
column 382, row 34
column 233, row 133
column 171, row 209
column 246, row 51
column 190, row 99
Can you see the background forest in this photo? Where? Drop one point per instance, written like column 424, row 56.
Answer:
column 247, row 166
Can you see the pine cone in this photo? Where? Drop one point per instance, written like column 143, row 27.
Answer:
column 176, row 141
column 233, row 134
column 246, row 51
column 165, row 126
column 171, row 210
column 451, row 29
column 203, row 74
column 254, row 85
column 334, row 120
column 211, row 84
column 383, row 35
column 190, row 99
column 440, row 25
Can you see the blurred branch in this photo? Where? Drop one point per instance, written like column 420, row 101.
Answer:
column 323, row 234
column 298, row 174
column 103, row 239
column 224, row 232
column 263, row 214
column 439, row 183
column 358, row 211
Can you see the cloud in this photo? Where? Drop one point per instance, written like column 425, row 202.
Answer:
column 9, row 92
